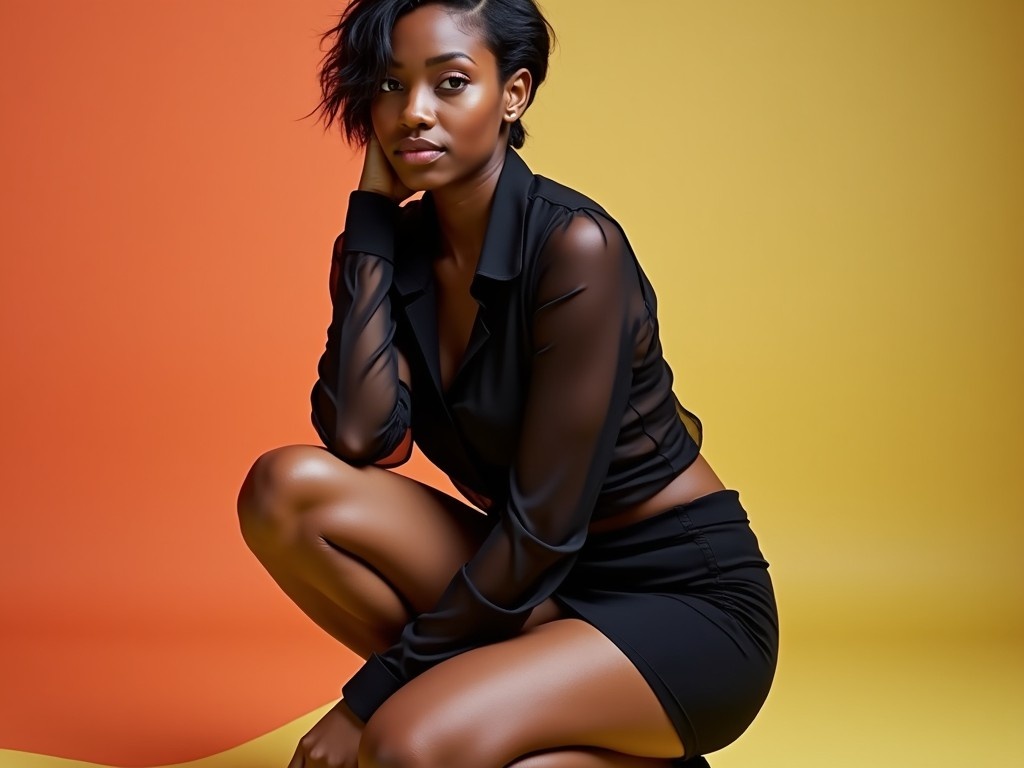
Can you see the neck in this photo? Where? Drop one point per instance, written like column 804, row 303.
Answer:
column 462, row 214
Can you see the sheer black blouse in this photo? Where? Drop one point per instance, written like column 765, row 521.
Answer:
column 561, row 411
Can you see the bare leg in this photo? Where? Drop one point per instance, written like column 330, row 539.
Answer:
column 355, row 634
column 522, row 702
column 588, row 758
column 359, row 550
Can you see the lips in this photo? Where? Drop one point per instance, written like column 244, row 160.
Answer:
column 417, row 145
column 422, row 156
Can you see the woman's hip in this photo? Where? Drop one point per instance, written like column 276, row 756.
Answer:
column 701, row 551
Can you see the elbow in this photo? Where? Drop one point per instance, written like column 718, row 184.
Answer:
column 351, row 448
column 355, row 447
column 339, row 437
column 360, row 441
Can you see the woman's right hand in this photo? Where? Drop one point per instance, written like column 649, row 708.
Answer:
column 332, row 743
column 378, row 174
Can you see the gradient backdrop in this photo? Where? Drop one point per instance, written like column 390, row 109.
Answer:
column 827, row 196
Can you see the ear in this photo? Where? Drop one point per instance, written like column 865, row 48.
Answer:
column 517, row 93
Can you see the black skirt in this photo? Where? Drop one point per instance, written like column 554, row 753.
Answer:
column 687, row 597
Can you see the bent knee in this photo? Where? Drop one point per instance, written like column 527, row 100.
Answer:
column 441, row 721
column 282, row 483
column 432, row 741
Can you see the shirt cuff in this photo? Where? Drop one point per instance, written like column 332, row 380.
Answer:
column 370, row 224
column 369, row 687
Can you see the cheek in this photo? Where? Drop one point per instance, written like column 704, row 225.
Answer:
column 478, row 118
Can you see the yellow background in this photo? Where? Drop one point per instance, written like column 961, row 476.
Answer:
column 829, row 199
column 827, row 196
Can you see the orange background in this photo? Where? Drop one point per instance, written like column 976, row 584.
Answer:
column 166, row 243
column 827, row 198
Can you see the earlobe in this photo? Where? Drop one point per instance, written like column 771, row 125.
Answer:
column 518, row 94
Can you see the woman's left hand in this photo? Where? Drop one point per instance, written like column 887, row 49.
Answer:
column 331, row 743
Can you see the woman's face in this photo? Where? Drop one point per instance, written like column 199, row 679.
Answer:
column 456, row 103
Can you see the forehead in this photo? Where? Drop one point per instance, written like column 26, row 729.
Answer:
column 431, row 30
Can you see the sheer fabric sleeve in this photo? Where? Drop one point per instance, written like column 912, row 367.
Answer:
column 360, row 407
column 579, row 384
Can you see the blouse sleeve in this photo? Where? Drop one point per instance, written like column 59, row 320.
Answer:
column 579, row 384
column 360, row 407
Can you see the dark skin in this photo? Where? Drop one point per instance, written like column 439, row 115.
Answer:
column 362, row 550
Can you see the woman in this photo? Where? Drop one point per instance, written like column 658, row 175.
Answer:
column 611, row 607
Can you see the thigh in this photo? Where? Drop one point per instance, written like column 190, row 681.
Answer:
column 592, row 757
column 416, row 537
column 559, row 684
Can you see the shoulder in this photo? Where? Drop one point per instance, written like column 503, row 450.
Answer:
column 555, row 193
column 572, row 229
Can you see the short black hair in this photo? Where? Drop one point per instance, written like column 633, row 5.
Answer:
column 350, row 73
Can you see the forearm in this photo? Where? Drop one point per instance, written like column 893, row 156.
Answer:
column 359, row 408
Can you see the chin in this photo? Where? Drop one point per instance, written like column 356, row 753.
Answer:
column 422, row 183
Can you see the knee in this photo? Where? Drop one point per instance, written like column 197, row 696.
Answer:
column 280, row 483
column 429, row 741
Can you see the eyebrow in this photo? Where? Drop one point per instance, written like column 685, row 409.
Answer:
column 438, row 59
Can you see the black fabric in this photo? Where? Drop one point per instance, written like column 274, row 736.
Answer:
column 359, row 408
column 562, row 410
column 687, row 597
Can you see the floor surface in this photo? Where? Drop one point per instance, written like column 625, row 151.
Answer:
column 838, row 701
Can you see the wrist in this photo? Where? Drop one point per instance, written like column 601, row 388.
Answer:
column 368, row 688
column 376, row 190
column 343, row 709
column 370, row 223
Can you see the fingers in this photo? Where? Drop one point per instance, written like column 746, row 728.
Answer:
column 331, row 743
column 378, row 175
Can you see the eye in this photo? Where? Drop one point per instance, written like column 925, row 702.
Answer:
column 462, row 81
column 385, row 82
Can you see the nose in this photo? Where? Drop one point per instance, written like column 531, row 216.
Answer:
column 418, row 109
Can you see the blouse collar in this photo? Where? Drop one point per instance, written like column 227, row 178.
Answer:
column 501, row 258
